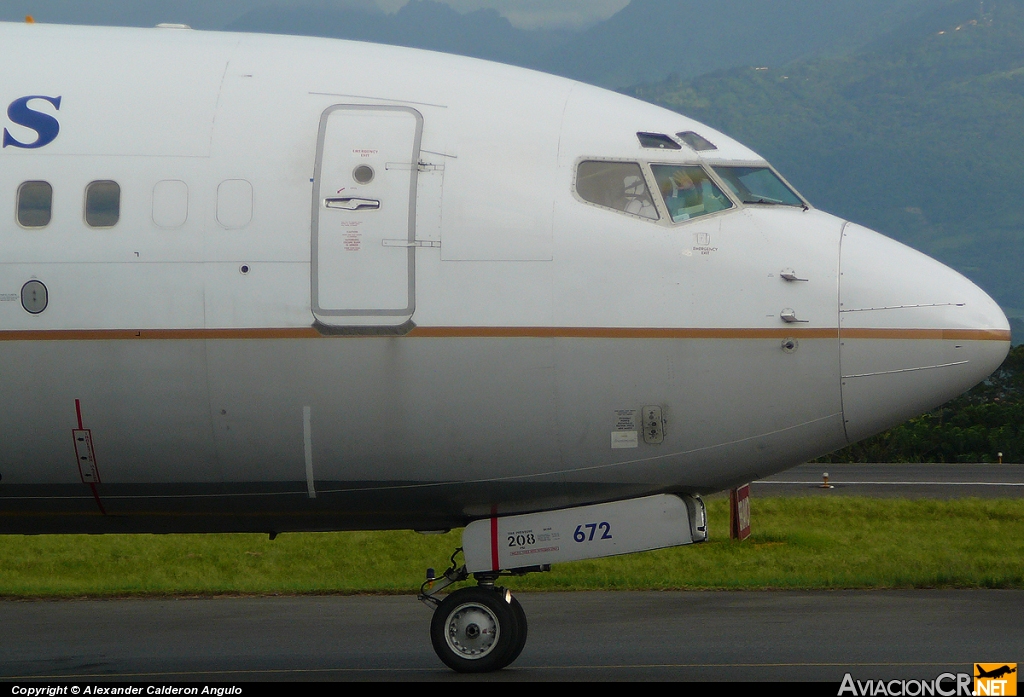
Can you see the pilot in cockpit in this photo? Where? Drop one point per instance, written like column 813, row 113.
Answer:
column 682, row 196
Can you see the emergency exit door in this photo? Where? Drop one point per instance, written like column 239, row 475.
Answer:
column 364, row 216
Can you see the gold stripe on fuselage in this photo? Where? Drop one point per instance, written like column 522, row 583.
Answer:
column 934, row 334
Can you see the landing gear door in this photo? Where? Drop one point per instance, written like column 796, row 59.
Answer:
column 364, row 217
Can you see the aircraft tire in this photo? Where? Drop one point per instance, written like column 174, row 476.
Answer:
column 520, row 614
column 475, row 630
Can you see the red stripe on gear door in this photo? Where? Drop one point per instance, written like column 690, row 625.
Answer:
column 494, row 543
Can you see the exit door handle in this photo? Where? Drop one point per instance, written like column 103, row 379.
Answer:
column 352, row 204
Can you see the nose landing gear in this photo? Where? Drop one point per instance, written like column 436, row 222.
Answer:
column 477, row 629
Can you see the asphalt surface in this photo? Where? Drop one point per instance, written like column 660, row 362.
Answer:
column 761, row 636
column 944, row 481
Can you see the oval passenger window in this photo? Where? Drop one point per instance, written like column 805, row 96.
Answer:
column 35, row 203
column 234, row 203
column 102, row 204
column 170, row 203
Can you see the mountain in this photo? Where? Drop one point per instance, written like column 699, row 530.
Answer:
column 918, row 135
column 419, row 24
column 646, row 41
column 651, row 39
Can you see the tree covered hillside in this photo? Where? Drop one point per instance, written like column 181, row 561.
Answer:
column 920, row 135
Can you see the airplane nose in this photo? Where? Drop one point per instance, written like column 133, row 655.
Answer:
column 913, row 333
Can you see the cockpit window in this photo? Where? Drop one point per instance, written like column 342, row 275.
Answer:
column 657, row 141
column 758, row 185
column 696, row 141
column 688, row 191
column 617, row 185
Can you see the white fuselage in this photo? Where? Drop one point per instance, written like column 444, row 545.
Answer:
column 255, row 345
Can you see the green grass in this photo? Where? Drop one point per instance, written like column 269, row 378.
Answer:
column 798, row 543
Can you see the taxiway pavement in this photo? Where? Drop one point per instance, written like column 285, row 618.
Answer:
column 695, row 635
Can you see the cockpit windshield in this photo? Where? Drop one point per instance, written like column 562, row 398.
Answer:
column 616, row 185
column 688, row 191
column 758, row 185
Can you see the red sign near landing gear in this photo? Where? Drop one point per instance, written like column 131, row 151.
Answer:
column 739, row 513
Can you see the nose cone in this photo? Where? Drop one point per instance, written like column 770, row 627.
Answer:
column 913, row 332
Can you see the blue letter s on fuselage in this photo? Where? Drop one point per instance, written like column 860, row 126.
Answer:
column 45, row 126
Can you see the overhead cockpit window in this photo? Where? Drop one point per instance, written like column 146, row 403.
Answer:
column 103, row 204
column 658, row 141
column 35, row 204
column 688, row 191
column 696, row 141
column 617, row 185
column 758, row 185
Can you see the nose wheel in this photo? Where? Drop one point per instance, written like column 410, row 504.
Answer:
column 477, row 630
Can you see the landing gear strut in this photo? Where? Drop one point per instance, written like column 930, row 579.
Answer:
column 476, row 629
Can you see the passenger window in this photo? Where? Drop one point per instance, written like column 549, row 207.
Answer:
column 617, row 185
column 170, row 203
column 35, row 204
column 234, row 203
column 102, row 204
column 688, row 191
